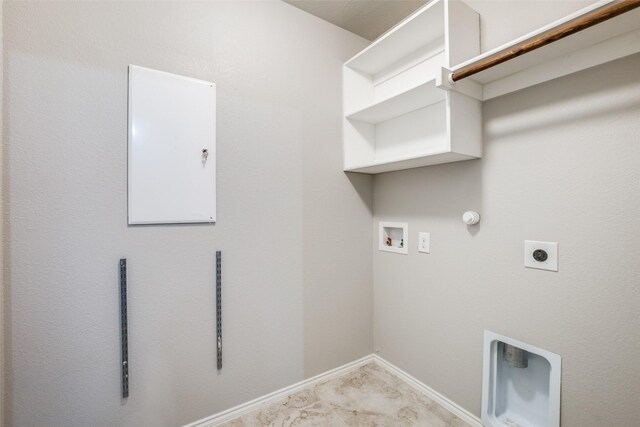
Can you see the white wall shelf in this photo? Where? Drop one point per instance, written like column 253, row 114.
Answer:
column 604, row 42
column 398, row 115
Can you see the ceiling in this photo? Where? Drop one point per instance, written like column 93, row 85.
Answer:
column 367, row 18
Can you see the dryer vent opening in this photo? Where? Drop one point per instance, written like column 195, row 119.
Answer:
column 515, row 356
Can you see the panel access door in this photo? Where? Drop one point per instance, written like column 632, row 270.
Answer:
column 172, row 148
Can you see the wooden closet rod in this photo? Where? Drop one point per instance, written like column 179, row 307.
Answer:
column 595, row 17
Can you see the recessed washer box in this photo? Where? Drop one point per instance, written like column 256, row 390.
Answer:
column 394, row 237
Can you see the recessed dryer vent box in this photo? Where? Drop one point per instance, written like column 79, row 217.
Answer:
column 521, row 384
column 394, row 237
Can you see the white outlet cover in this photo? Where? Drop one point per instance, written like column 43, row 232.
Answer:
column 424, row 242
column 551, row 248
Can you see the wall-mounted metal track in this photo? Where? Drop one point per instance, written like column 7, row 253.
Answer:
column 219, row 307
column 123, row 328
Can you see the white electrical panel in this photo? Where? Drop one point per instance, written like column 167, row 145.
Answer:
column 172, row 148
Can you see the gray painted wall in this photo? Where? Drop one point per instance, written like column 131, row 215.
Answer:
column 2, row 285
column 294, row 230
column 560, row 164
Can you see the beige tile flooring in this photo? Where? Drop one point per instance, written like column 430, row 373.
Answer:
column 368, row 396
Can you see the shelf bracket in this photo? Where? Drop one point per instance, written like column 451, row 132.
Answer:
column 466, row 87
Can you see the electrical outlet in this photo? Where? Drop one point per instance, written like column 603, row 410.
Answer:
column 424, row 242
column 541, row 255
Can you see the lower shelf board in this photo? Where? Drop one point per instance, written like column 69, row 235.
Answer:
column 388, row 165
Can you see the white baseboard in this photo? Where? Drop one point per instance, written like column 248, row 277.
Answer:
column 447, row 403
column 245, row 408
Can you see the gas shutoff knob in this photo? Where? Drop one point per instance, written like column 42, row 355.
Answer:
column 471, row 217
column 540, row 255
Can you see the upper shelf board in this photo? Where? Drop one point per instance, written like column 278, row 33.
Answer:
column 421, row 28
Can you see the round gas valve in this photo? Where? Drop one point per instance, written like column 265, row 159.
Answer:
column 471, row 217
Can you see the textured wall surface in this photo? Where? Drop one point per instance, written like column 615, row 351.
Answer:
column 294, row 230
column 504, row 20
column 2, row 286
column 560, row 164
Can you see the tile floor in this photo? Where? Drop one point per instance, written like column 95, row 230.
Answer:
column 368, row 396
